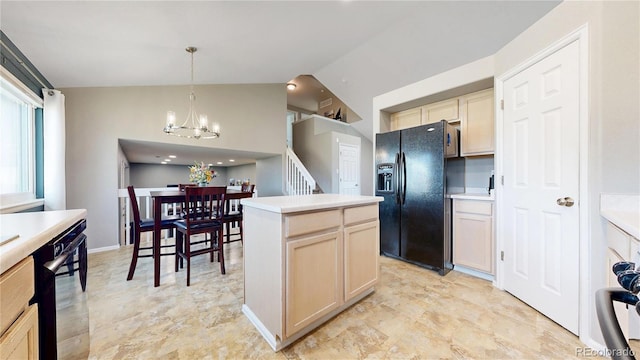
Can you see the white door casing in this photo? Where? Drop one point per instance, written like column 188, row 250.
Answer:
column 541, row 168
column 349, row 169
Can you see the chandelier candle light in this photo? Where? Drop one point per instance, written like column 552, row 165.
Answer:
column 194, row 127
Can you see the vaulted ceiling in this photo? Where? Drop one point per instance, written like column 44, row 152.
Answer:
column 357, row 49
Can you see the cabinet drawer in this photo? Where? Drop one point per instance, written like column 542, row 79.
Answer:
column 360, row 214
column 21, row 340
column 618, row 241
column 473, row 207
column 17, row 286
column 311, row 222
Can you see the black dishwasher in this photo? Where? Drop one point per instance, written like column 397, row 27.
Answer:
column 63, row 316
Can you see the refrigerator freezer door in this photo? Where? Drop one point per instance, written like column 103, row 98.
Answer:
column 387, row 151
column 422, row 238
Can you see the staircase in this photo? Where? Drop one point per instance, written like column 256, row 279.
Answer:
column 298, row 180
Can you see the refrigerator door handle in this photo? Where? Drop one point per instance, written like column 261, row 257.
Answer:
column 404, row 179
column 397, row 173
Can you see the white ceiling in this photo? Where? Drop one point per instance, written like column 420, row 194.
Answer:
column 127, row 43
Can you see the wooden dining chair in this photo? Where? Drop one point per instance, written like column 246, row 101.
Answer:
column 233, row 214
column 144, row 225
column 205, row 209
column 247, row 188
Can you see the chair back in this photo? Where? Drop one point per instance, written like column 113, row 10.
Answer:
column 248, row 188
column 235, row 197
column 181, row 187
column 204, row 204
column 134, row 206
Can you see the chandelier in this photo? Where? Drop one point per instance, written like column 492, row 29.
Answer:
column 194, row 127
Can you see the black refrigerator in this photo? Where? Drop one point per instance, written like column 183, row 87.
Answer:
column 415, row 220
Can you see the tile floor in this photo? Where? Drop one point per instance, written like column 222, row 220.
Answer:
column 413, row 314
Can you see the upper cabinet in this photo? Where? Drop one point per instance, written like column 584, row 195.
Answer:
column 443, row 110
column 474, row 112
column 405, row 119
column 477, row 125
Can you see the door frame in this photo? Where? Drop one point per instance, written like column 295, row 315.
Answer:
column 581, row 35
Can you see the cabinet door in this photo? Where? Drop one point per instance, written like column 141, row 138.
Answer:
column 405, row 119
column 20, row 341
column 477, row 126
column 313, row 279
column 361, row 252
column 473, row 241
column 443, row 110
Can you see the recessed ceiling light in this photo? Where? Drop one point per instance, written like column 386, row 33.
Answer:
column 167, row 160
column 164, row 163
column 219, row 163
column 291, row 86
column 231, row 160
column 172, row 156
column 209, row 164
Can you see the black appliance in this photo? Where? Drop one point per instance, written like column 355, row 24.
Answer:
column 63, row 316
column 415, row 221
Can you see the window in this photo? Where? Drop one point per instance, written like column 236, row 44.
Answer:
column 17, row 149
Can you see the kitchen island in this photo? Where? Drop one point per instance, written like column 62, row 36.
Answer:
column 306, row 259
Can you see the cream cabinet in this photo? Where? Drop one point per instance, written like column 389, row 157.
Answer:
column 443, row 110
column 477, row 126
column 406, row 119
column 313, row 279
column 303, row 267
column 473, row 244
column 18, row 320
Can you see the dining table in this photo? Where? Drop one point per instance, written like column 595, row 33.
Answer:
column 159, row 198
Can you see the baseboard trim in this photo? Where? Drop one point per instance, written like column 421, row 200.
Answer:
column 103, row 249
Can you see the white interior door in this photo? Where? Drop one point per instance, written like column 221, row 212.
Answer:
column 541, row 180
column 349, row 169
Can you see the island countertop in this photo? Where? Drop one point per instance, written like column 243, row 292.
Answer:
column 290, row 204
column 34, row 229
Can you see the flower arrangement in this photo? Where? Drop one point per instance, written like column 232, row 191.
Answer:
column 200, row 173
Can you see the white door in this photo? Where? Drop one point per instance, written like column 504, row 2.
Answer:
column 541, row 179
column 349, row 169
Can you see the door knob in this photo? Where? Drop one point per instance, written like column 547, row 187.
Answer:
column 567, row 201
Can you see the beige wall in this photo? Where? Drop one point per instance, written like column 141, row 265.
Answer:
column 614, row 126
column 251, row 118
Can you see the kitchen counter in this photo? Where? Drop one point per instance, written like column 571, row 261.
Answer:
column 623, row 211
column 290, row 204
column 472, row 196
column 34, row 229
column 306, row 259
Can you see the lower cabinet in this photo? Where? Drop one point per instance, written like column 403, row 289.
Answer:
column 18, row 320
column 302, row 268
column 313, row 279
column 473, row 245
column 361, row 252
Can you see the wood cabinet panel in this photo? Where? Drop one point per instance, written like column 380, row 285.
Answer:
column 473, row 244
column 405, row 119
column 313, row 279
column 443, row 110
column 17, row 286
column 20, row 341
column 360, row 214
column 312, row 222
column 361, row 253
column 477, row 126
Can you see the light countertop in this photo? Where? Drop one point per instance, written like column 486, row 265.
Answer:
column 472, row 196
column 290, row 204
column 623, row 211
column 34, row 229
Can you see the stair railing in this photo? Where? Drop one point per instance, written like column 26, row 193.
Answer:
column 298, row 180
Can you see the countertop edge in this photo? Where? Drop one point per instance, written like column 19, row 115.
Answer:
column 14, row 251
column 466, row 196
column 621, row 220
column 310, row 206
